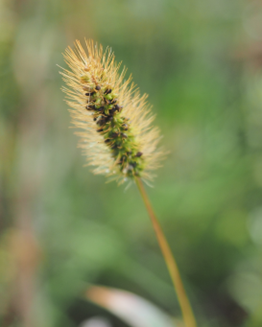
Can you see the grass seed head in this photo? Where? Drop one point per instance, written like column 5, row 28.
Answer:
column 115, row 120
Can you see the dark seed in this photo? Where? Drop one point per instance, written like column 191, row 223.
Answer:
column 101, row 122
column 125, row 127
column 114, row 135
column 116, row 107
column 98, row 88
column 88, row 94
column 107, row 118
column 133, row 164
column 139, row 154
column 89, row 108
column 95, row 119
column 100, row 130
column 108, row 91
column 107, row 140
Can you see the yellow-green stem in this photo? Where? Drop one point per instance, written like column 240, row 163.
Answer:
column 187, row 312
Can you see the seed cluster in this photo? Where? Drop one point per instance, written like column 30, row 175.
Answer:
column 104, row 105
column 113, row 119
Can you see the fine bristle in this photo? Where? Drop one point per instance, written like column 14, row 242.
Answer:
column 117, row 136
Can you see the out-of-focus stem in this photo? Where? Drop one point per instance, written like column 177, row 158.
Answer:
column 186, row 309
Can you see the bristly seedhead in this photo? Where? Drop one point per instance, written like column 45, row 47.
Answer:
column 117, row 136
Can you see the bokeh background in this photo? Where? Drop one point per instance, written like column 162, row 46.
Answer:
column 63, row 229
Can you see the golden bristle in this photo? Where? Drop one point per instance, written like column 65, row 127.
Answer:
column 117, row 136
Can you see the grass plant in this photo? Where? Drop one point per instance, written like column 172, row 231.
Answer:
column 117, row 135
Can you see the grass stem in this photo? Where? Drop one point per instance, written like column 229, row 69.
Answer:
column 185, row 306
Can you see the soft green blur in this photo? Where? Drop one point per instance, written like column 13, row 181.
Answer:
column 200, row 62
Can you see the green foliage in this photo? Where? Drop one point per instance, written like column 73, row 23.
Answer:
column 199, row 62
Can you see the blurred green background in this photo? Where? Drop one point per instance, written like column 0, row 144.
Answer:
column 200, row 62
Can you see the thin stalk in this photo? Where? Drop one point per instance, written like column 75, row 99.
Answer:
column 185, row 306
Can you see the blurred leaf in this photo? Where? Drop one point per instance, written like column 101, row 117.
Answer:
column 132, row 308
column 95, row 322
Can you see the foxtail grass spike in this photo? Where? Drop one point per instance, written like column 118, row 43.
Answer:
column 117, row 136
